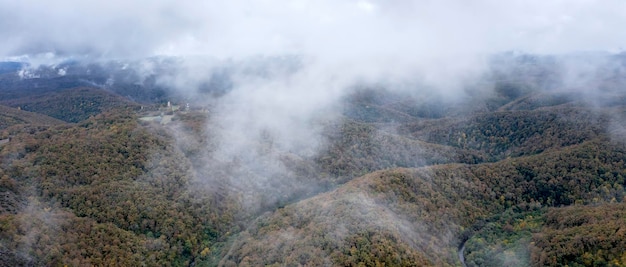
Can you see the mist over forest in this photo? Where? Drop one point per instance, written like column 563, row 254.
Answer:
column 312, row 133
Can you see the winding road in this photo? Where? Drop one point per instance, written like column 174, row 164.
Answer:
column 461, row 256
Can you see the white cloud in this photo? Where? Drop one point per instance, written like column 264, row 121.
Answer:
column 437, row 42
column 321, row 28
column 366, row 6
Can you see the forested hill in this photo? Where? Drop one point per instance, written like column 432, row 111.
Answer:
column 71, row 105
column 403, row 216
column 12, row 116
column 520, row 173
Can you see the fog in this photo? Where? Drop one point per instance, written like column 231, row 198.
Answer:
column 438, row 43
column 371, row 31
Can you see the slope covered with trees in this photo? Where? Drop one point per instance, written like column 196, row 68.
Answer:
column 12, row 116
column 519, row 171
column 582, row 236
column 430, row 207
column 71, row 105
column 105, row 191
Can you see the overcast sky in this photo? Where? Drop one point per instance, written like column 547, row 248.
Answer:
column 332, row 29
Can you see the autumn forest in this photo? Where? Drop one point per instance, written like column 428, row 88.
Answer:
column 519, row 168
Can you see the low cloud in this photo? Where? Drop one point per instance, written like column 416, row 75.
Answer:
column 348, row 29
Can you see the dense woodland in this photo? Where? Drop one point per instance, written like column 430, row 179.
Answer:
column 524, row 175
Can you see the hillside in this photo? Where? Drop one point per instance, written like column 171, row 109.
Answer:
column 519, row 171
column 582, row 235
column 104, row 192
column 504, row 134
column 70, row 105
column 420, row 213
column 12, row 116
column 357, row 148
column 19, row 80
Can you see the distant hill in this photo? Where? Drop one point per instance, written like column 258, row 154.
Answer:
column 71, row 105
column 514, row 133
column 357, row 148
column 10, row 66
column 12, row 86
column 13, row 116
